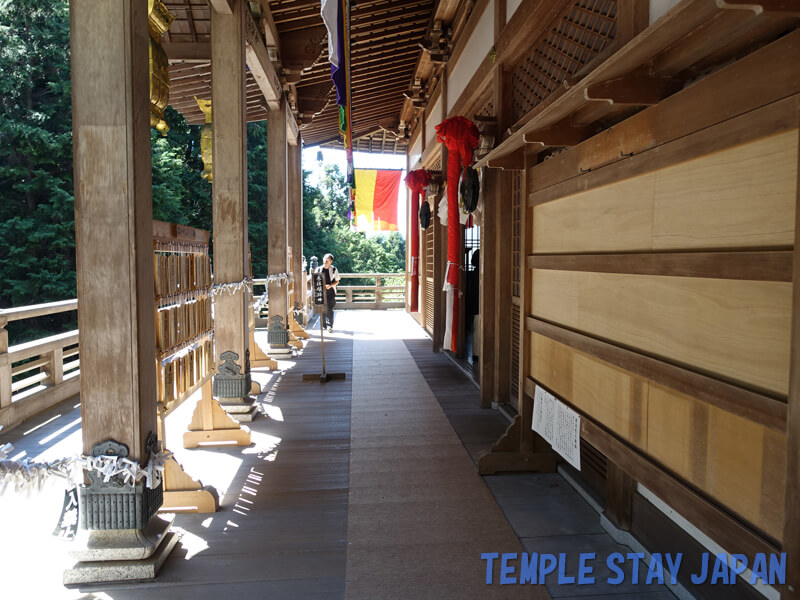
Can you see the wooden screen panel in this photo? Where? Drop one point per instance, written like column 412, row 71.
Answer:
column 428, row 289
column 516, row 232
column 428, row 292
column 582, row 32
column 515, row 353
column 733, row 328
column 742, row 197
column 740, row 462
column 715, row 450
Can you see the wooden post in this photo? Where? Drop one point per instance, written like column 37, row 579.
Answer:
column 231, row 310
column 620, row 488
column 113, row 221
column 295, row 174
column 56, row 373
column 277, row 174
column 525, row 402
column 791, row 520
column 5, row 366
column 378, row 293
column 503, row 207
column 633, row 17
column 488, row 365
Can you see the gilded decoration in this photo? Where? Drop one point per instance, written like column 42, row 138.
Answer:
column 160, row 20
column 205, row 138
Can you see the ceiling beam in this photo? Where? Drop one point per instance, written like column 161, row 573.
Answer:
column 223, row 7
column 261, row 66
column 188, row 52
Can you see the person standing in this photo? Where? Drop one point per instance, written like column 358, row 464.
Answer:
column 332, row 279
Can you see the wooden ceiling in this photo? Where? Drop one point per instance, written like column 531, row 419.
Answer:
column 385, row 46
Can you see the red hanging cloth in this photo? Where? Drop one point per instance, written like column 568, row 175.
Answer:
column 416, row 181
column 460, row 136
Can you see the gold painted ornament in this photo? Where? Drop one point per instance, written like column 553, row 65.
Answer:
column 206, row 137
column 159, row 19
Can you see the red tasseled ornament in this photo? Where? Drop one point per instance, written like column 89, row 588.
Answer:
column 460, row 136
column 416, row 181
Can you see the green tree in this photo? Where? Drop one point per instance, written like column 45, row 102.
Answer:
column 37, row 247
column 257, row 195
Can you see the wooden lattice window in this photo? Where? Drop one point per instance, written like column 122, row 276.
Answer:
column 516, row 233
column 428, row 279
column 515, row 312
column 487, row 110
column 582, row 32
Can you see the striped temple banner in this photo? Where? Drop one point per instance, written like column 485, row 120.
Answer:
column 376, row 199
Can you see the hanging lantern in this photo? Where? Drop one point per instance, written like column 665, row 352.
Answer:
column 160, row 20
column 460, row 136
column 206, row 138
column 416, row 182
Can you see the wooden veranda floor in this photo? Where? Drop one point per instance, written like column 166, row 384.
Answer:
column 360, row 489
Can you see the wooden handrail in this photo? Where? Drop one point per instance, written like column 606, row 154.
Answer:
column 28, row 388
column 370, row 275
column 42, row 345
column 38, row 310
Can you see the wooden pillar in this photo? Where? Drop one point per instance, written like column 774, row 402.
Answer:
column 633, row 17
column 525, row 403
column 113, row 222
column 503, row 222
column 791, row 520
column 229, row 186
column 489, row 301
column 620, row 488
column 278, row 215
column 296, row 222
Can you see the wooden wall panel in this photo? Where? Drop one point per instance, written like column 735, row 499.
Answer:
column 618, row 397
column 669, row 429
column 742, row 197
column 611, row 218
column 733, row 328
column 733, row 460
column 551, row 364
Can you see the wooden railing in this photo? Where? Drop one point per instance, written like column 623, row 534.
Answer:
column 375, row 297
column 39, row 374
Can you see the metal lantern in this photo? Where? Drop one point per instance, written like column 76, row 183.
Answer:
column 206, row 138
column 159, row 19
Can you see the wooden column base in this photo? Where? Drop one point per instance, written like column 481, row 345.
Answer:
column 184, row 494
column 507, row 454
column 297, row 329
column 294, row 342
column 211, row 425
column 258, row 358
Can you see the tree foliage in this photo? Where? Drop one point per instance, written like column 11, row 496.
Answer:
column 37, row 228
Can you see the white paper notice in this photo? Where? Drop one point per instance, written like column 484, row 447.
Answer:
column 567, row 440
column 543, row 414
column 559, row 425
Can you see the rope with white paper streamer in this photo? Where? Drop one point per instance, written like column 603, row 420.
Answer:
column 232, row 288
column 280, row 278
column 30, row 476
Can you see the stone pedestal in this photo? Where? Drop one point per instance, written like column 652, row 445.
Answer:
column 241, row 410
column 278, row 337
column 121, row 554
column 232, row 388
